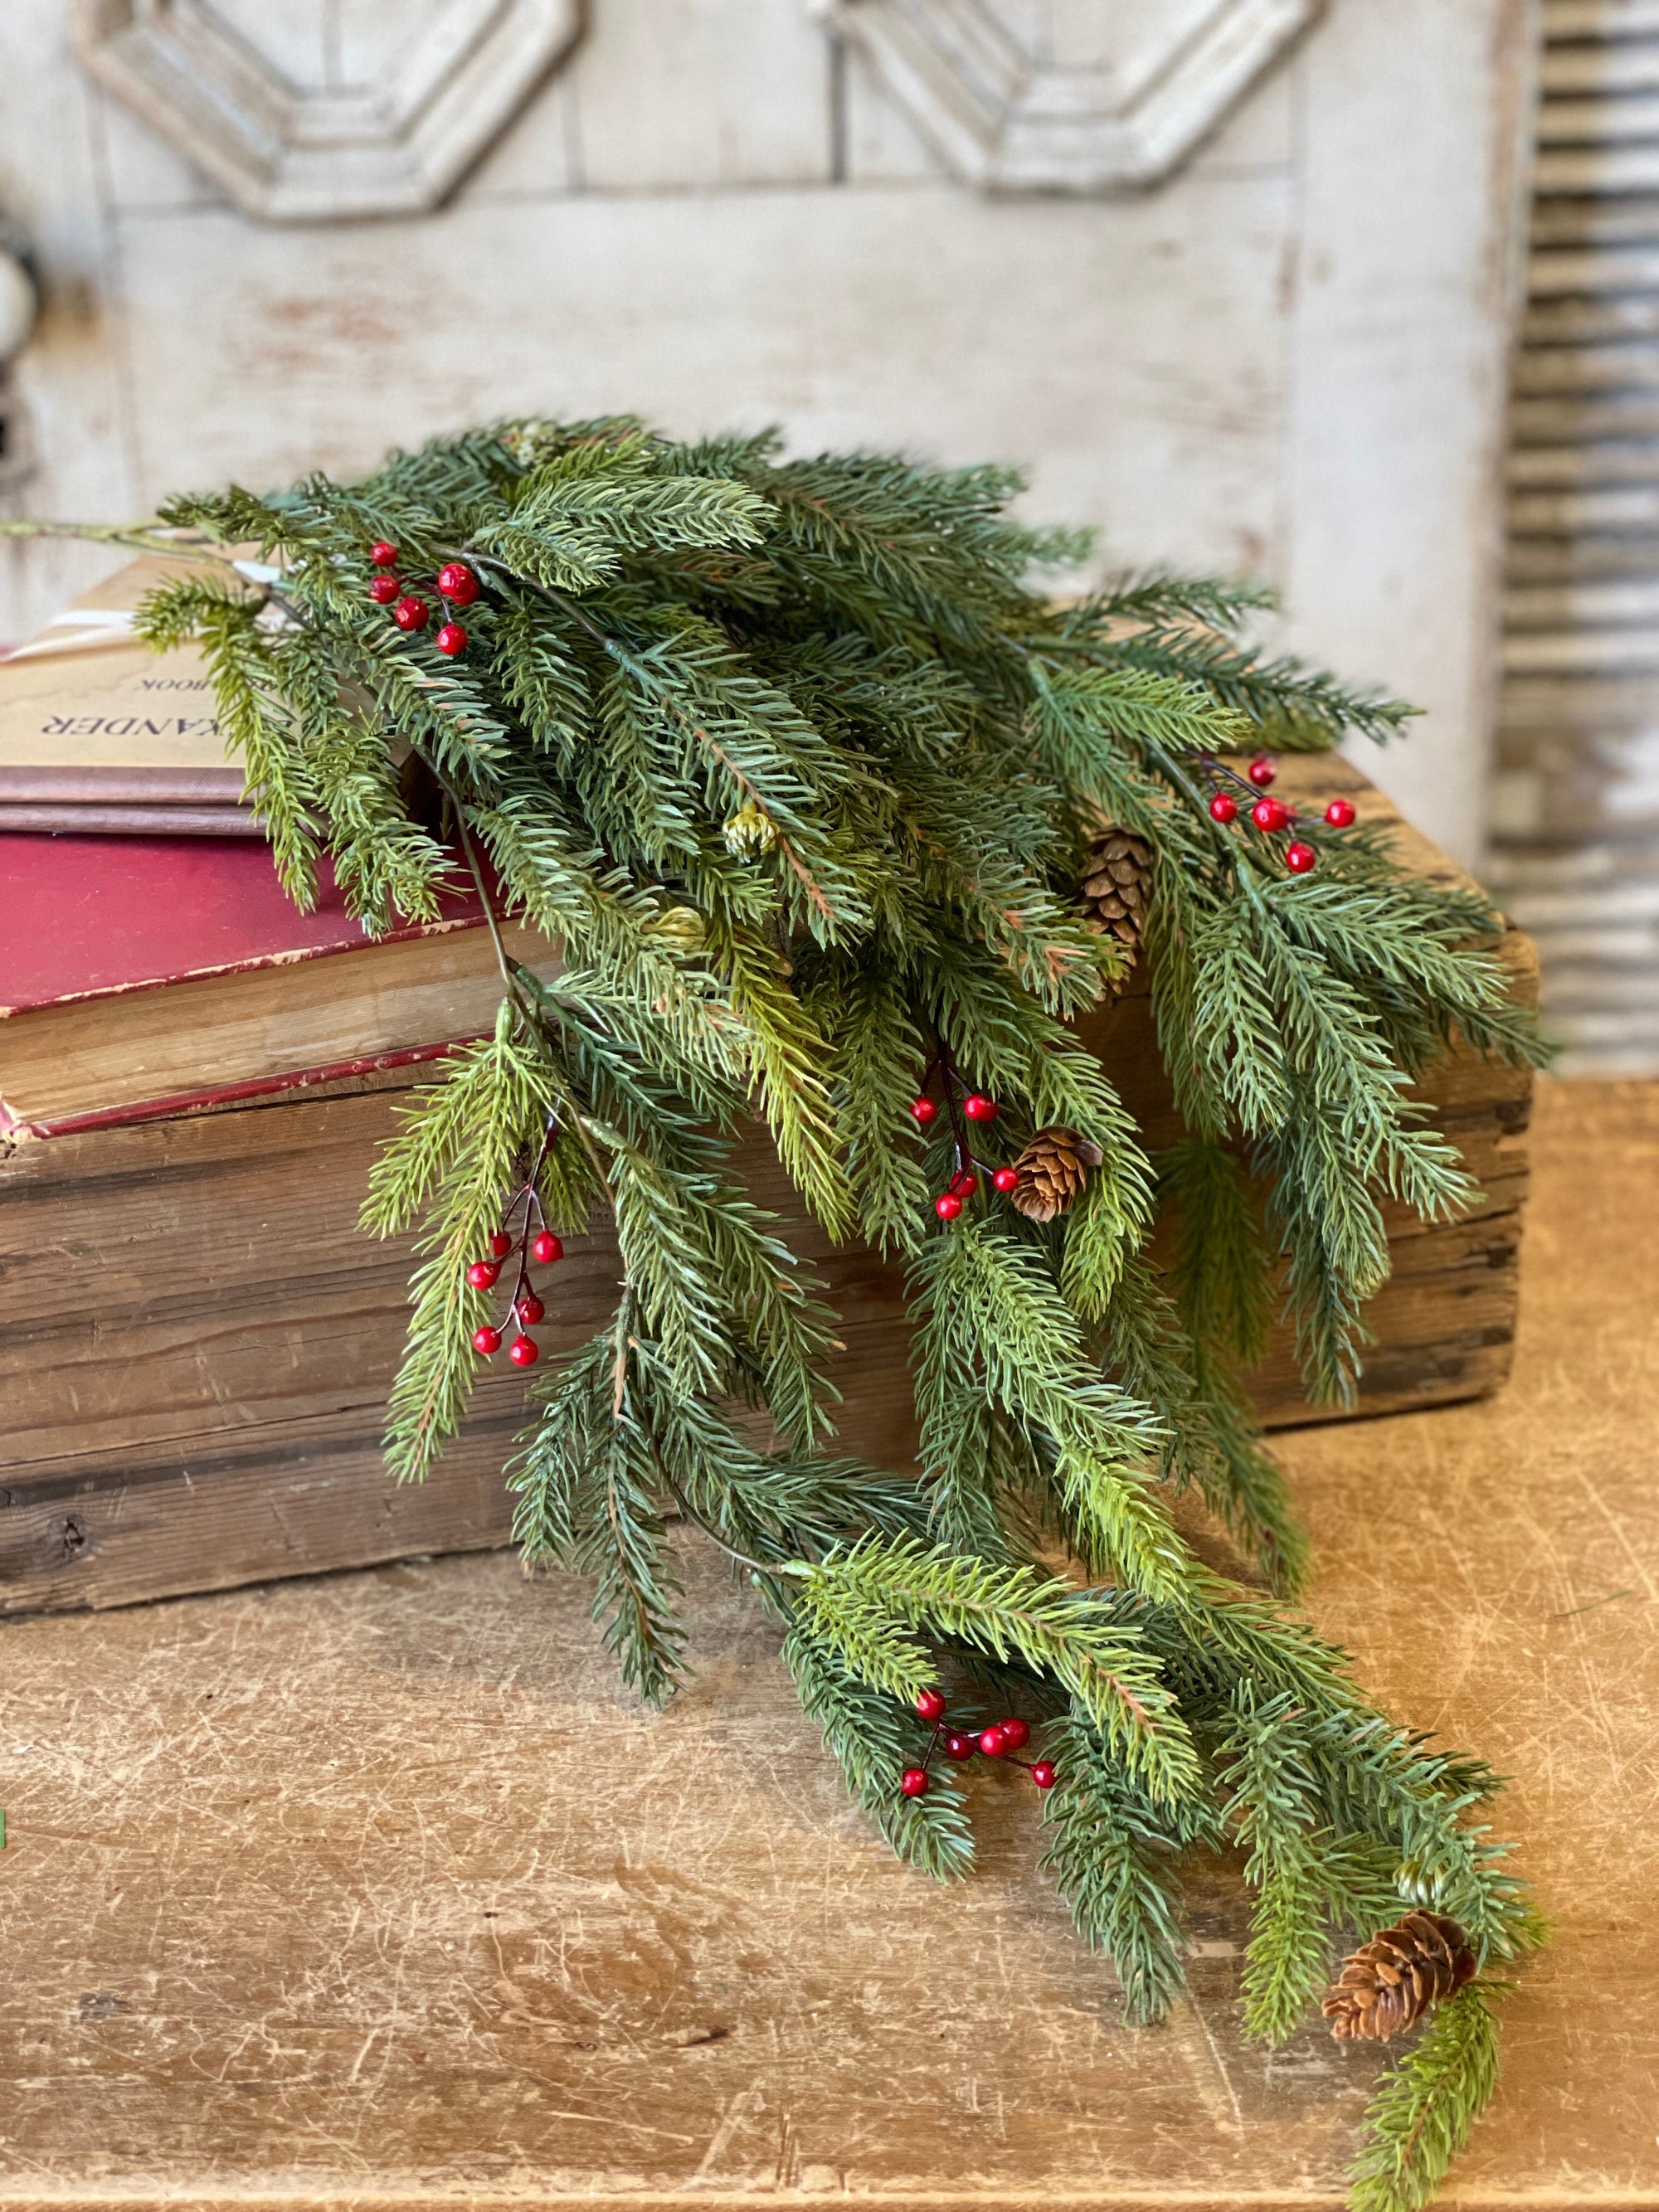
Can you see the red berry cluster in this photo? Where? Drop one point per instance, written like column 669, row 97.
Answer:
column 1270, row 815
column 967, row 1109
column 455, row 583
column 1001, row 1741
column 525, row 1308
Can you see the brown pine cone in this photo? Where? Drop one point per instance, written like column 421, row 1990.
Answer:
column 1052, row 1170
column 1389, row 1983
column 1114, row 890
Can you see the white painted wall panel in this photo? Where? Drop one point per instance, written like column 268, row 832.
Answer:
column 903, row 317
column 877, row 144
column 1406, row 290
column 676, row 93
column 68, row 403
column 1284, row 363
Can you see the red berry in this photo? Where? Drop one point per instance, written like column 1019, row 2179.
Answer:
column 1299, row 858
column 457, row 583
column 487, row 1340
column 501, row 1245
column 993, row 1742
column 1224, row 807
column 965, row 1184
column 1261, row 771
column 960, row 1746
column 1043, row 1774
column 524, row 1352
column 1005, row 1179
column 978, row 1107
column 451, row 638
column 411, row 614
column 914, row 1782
column 530, row 1310
column 546, row 1248
column 1015, row 1734
column 947, row 1207
column 1340, row 814
column 481, row 1274
column 930, row 1703
column 384, row 590
column 1270, row 814
column 383, row 554
column 924, row 1111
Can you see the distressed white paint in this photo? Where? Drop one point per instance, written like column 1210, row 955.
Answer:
column 1285, row 361
column 20, row 303
column 886, row 320
column 704, row 92
column 311, row 112
column 1066, row 96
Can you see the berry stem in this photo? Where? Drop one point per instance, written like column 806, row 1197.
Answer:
column 756, row 1567
column 1221, row 767
column 946, row 1066
column 516, row 990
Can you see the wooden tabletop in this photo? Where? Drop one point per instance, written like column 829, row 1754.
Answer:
column 376, row 1887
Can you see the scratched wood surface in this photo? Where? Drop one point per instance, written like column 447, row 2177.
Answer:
column 376, row 1888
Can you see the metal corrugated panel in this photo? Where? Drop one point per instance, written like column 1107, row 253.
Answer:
column 1576, row 848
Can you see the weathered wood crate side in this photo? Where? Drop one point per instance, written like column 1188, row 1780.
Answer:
column 195, row 1348
column 1444, row 1323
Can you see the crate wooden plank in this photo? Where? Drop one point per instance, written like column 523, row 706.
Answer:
column 231, row 1433
column 376, row 1893
column 196, row 1347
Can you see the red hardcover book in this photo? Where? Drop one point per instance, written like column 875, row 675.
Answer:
column 147, row 976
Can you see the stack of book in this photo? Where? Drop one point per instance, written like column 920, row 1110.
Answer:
column 195, row 1341
column 100, row 737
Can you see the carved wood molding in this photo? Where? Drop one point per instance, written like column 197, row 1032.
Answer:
column 331, row 110
column 1067, row 95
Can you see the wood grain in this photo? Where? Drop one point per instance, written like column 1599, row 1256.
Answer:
column 376, row 1890
column 1445, row 1322
column 196, row 1344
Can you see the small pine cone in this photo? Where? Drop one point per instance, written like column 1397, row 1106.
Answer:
column 1389, row 1983
column 1052, row 1170
column 1115, row 888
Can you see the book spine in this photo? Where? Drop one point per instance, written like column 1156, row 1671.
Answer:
column 29, row 783
column 28, row 820
column 227, row 1094
column 405, row 933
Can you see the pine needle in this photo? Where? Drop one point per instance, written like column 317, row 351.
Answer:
column 1421, row 2115
column 797, row 770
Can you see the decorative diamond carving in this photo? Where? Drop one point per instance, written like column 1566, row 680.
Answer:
column 308, row 111
column 1067, row 95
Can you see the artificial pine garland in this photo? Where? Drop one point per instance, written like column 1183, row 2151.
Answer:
column 837, row 820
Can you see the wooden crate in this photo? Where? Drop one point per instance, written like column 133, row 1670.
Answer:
column 195, row 1351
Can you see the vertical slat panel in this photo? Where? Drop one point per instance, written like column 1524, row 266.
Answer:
column 1575, row 844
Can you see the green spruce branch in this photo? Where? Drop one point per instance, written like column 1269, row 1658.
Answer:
column 796, row 774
